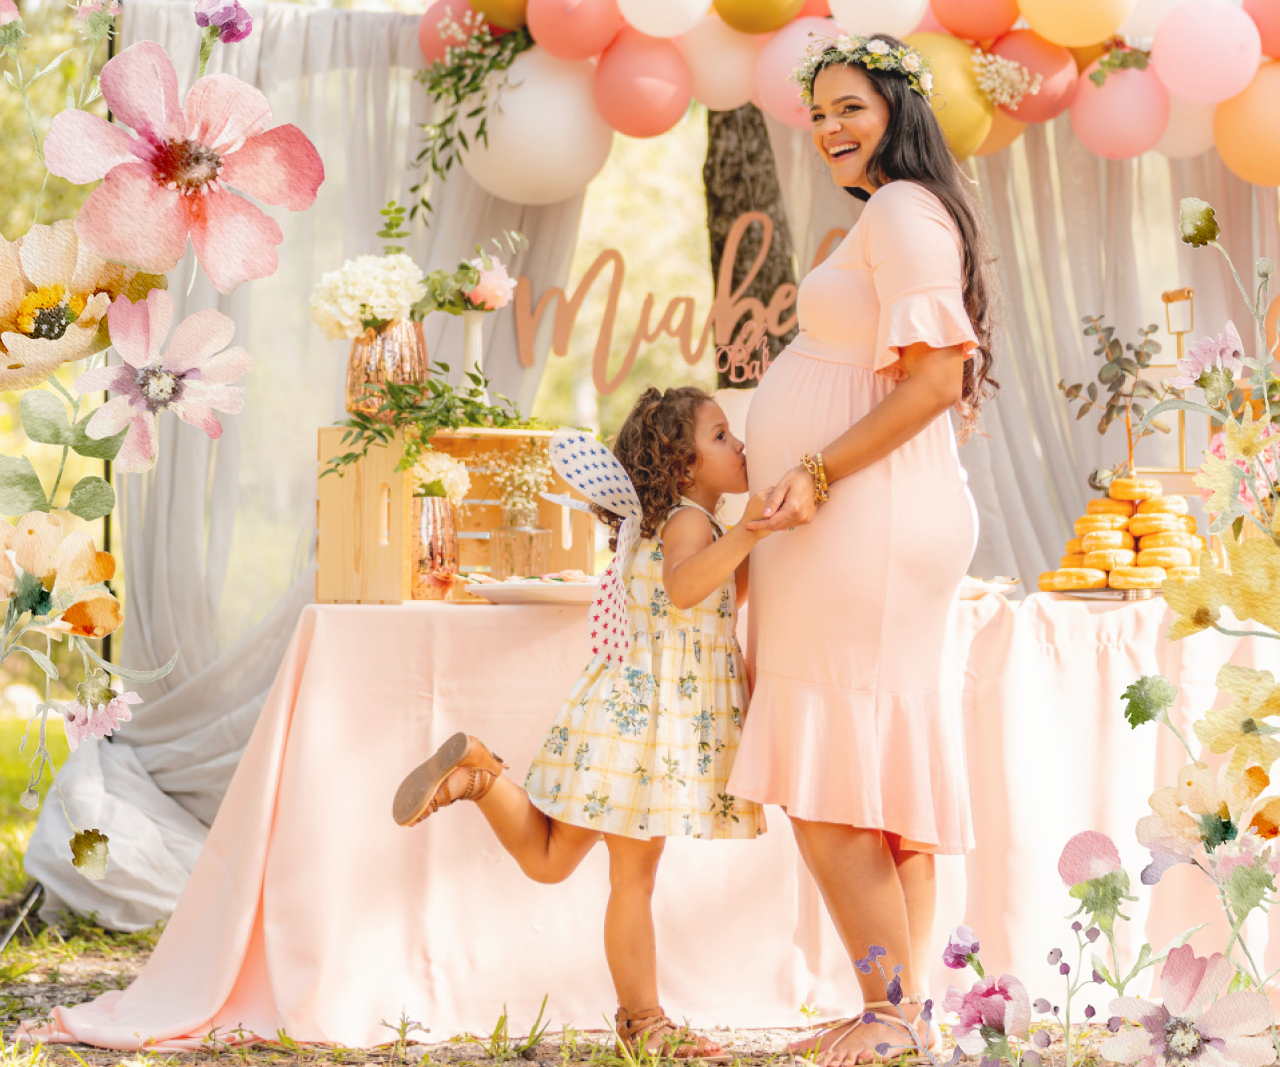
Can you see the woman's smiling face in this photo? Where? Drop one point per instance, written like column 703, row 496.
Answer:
column 849, row 118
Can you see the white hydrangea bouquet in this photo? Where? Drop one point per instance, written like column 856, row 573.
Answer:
column 368, row 292
column 439, row 474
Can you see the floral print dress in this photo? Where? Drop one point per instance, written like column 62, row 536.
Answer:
column 643, row 748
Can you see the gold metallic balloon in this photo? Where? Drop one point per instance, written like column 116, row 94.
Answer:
column 509, row 14
column 757, row 16
column 964, row 111
column 1086, row 55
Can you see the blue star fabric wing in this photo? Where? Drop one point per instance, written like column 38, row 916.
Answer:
column 595, row 472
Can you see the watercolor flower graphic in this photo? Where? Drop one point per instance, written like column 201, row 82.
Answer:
column 994, row 1010
column 192, row 378
column 171, row 180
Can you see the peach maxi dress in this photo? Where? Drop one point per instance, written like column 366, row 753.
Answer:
column 856, row 716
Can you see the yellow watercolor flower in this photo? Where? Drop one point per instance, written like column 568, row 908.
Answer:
column 1255, row 690
column 1235, row 728
column 1254, row 580
column 1223, row 477
column 1246, row 441
column 1197, row 601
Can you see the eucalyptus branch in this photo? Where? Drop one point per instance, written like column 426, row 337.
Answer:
column 1245, row 633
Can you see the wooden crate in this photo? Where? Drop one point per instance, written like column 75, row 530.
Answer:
column 364, row 548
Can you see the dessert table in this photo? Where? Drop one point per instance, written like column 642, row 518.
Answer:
column 310, row 911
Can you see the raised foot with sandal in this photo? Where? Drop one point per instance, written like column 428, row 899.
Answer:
column 426, row 789
column 822, row 1048
column 650, row 1029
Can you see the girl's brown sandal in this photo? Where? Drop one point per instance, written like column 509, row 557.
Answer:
column 636, row 1029
column 425, row 789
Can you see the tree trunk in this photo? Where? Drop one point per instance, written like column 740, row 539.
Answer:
column 740, row 176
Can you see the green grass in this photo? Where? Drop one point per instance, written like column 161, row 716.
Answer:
column 16, row 822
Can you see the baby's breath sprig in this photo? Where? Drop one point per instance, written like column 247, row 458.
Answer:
column 1004, row 81
column 460, row 81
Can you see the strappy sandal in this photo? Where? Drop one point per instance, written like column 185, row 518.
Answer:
column 425, row 789
column 875, row 1007
column 635, row 1029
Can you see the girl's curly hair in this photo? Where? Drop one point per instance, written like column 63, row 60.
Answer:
column 656, row 447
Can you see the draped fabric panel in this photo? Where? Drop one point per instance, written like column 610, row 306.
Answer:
column 218, row 537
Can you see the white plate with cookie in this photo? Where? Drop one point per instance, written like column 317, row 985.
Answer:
column 576, row 588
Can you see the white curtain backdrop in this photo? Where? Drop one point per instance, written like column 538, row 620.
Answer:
column 218, row 538
column 1073, row 235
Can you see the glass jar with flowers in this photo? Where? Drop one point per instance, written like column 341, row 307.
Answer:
column 519, row 546
column 440, row 484
column 370, row 302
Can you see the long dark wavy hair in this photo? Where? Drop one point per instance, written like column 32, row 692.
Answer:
column 914, row 149
column 656, row 446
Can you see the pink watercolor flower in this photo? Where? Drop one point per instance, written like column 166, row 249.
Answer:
column 230, row 19
column 960, row 946
column 996, row 1004
column 192, row 379
column 171, row 180
column 1087, row 856
column 1190, row 1025
column 1267, row 458
column 495, row 288
column 94, row 7
column 81, row 721
column 9, row 12
column 1210, row 353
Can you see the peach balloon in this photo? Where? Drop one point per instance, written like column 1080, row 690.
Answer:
column 758, row 16
column 1206, row 51
column 1266, row 16
column 777, row 59
column 574, row 29
column 1004, row 131
column 930, row 23
column 1246, row 128
column 1190, row 130
column 815, row 9
column 642, row 85
column 978, row 20
column 1052, row 62
column 1123, row 118
column 1075, row 23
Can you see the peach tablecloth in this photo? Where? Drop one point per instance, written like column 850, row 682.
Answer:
column 310, row 912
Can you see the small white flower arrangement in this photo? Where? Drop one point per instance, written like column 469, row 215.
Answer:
column 439, row 474
column 369, row 292
column 1004, row 81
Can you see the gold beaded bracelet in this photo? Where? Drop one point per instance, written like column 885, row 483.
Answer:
column 813, row 464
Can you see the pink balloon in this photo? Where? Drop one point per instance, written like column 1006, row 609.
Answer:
column 1124, row 118
column 1206, row 51
column 929, row 24
column 1052, row 62
column 642, row 86
column 430, row 42
column 976, row 20
column 778, row 58
column 815, row 9
column 574, row 29
column 1266, row 16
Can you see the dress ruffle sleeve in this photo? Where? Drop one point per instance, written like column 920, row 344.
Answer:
column 913, row 246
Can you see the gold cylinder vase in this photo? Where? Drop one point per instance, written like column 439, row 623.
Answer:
column 396, row 354
column 435, row 547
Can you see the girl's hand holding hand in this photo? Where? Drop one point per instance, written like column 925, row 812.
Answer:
column 792, row 502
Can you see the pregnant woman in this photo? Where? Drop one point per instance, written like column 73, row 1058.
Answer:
column 855, row 725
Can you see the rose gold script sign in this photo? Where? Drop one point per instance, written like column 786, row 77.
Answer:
column 728, row 309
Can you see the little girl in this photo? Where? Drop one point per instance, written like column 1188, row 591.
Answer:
column 643, row 746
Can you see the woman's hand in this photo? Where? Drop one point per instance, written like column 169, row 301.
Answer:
column 792, row 502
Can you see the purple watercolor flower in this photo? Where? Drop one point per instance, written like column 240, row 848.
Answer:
column 226, row 16
column 1209, row 354
column 960, row 946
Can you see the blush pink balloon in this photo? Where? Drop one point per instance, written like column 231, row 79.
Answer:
column 929, row 24
column 1124, row 118
column 642, row 86
column 430, row 42
column 1052, row 62
column 1206, row 51
column 976, row 20
column 778, row 58
column 815, row 9
column 574, row 29
column 1266, row 16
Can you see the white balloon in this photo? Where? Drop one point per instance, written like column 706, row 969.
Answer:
column 1190, row 129
column 1146, row 17
column 547, row 139
column 663, row 18
column 895, row 17
column 722, row 62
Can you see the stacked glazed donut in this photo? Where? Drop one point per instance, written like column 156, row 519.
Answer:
column 1133, row 539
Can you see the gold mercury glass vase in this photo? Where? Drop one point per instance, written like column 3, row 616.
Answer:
column 435, row 547
column 395, row 354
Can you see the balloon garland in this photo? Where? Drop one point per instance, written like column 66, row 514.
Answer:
column 1174, row 76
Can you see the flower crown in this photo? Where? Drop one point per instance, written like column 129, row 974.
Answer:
column 871, row 52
